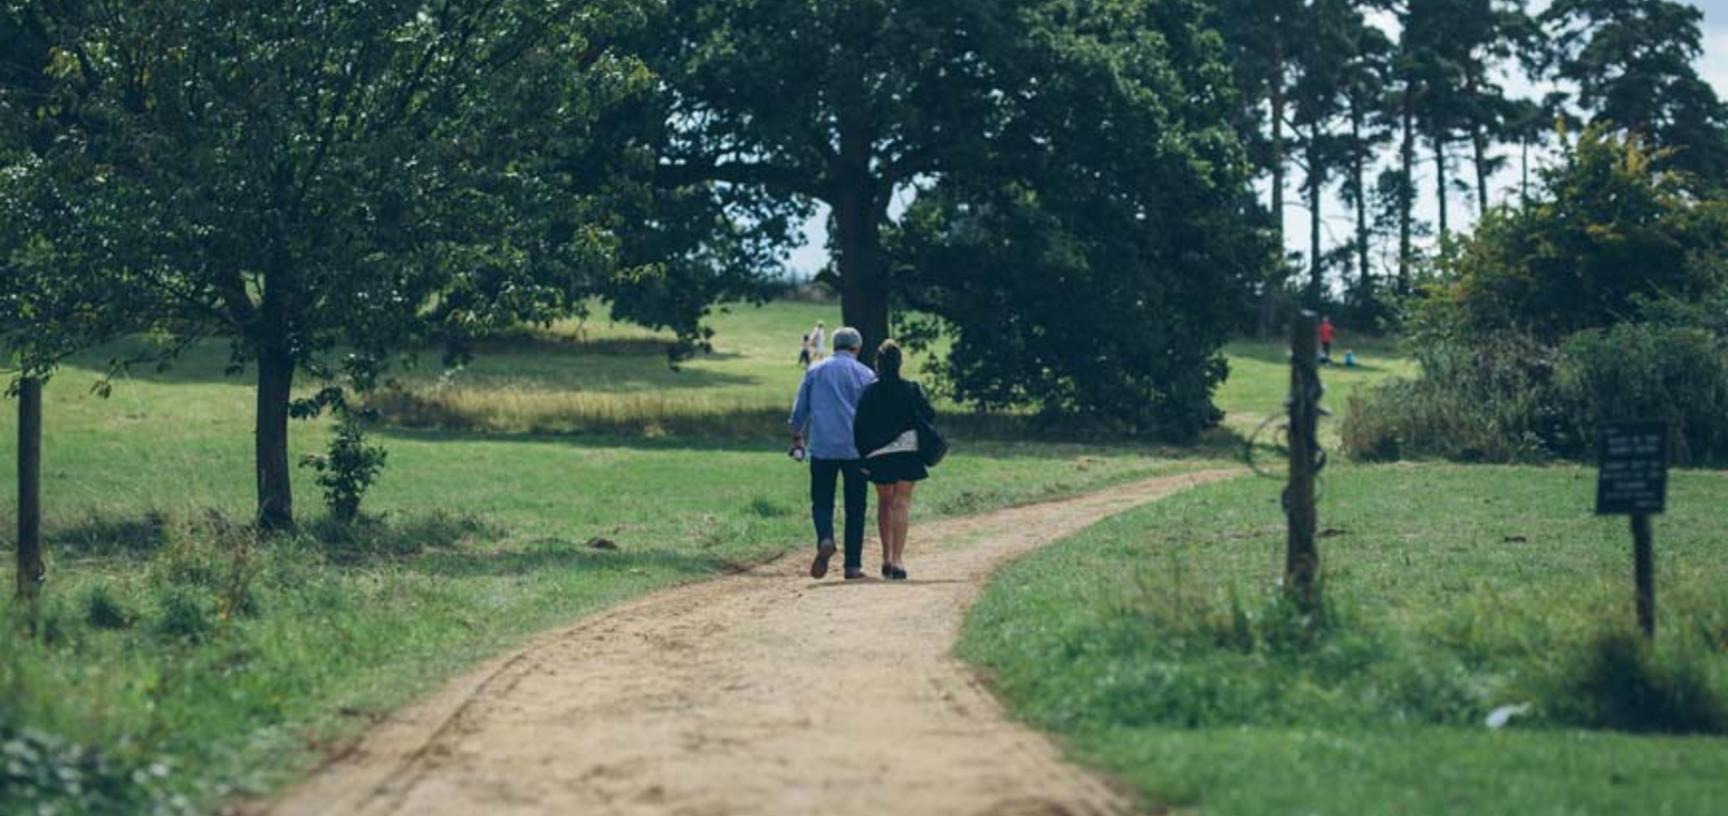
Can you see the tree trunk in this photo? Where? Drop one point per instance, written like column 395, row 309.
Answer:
column 1406, row 192
column 1440, row 193
column 1269, row 296
column 1316, row 264
column 1480, row 150
column 1524, row 170
column 859, row 210
column 275, row 491
column 1478, row 144
column 30, row 567
column 1358, row 169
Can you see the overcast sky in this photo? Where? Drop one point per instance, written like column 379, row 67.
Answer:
column 1338, row 224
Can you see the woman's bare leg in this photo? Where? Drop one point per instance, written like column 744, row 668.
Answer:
column 902, row 520
column 885, row 520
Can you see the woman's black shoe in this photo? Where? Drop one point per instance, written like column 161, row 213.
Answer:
column 895, row 573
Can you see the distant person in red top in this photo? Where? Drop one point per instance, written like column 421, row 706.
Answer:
column 1327, row 332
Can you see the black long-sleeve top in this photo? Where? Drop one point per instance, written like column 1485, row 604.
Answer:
column 888, row 408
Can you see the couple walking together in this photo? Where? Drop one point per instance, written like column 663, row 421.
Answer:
column 860, row 426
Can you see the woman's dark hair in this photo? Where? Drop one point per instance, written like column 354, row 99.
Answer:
column 888, row 360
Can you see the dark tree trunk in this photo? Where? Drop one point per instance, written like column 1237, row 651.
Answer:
column 1364, row 284
column 275, row 491
column 1406, row 192
column 1440, row 183
column 1480, row 149
column 30, row 567
column 1316, row 264
column 1269, row 297
column 860, row 207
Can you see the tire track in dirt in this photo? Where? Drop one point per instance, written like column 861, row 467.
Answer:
column 760, row 692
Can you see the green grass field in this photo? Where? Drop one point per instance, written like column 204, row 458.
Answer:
column 1152, row 641
column 173, row 643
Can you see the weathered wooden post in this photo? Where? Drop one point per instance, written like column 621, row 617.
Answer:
column 1301, row 557
column 1632, row 480
column 30, row 568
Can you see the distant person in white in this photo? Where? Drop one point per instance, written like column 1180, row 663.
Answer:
column 818, row 344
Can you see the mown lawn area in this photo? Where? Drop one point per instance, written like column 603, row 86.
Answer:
column 1153, row 642
column 181, row 662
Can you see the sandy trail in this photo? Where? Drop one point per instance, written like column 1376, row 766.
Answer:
column 761, row 692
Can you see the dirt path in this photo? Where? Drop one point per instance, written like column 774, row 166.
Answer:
column 761, row 692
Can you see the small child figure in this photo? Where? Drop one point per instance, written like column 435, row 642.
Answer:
column 804, row 352
column 1349, row 358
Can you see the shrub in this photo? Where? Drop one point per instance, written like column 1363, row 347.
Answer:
column 350, row 467
column 1493, row 400
column 1643, row 372
column 183, row 613
column 1509, row 398
column 1620, row 682
column 103, row 610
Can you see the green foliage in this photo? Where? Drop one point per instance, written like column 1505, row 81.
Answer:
column 1634, row 62
column 1607, row 230
column 349, row 468
column 1092, row 272
column 1596, row 302
column 104, row 610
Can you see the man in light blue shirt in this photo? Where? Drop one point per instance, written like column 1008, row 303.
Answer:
column 822, row 424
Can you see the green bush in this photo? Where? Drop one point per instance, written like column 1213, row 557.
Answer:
column 1509, row 398
column 103, row 610
column 1493, row 400
column 1643, row 372
column 1619, row 682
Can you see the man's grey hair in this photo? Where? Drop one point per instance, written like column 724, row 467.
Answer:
column 847, row 338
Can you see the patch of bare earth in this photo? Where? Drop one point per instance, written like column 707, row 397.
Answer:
column 761, row 692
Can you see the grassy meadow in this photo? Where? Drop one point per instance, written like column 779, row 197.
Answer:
column 182, row 664
column 1154, row 642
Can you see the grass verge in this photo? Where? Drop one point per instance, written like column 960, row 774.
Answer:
column 1153, row 643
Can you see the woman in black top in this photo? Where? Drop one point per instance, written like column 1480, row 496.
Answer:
column 885, row 431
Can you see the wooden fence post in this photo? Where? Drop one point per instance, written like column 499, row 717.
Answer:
column 1301, row 557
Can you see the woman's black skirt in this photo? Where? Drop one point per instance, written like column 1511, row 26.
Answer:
column 890, row 468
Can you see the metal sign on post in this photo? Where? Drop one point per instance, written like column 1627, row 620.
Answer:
column 1632, row 480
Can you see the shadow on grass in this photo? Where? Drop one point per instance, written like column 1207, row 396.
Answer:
column 763, row 430
column 564, row 555
column 1279, row 354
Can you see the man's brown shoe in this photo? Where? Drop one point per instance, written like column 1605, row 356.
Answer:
column 824, row 551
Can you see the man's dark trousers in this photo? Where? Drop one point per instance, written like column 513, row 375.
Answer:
column 823, row 473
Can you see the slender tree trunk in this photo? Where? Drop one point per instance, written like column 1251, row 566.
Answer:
column 1480, row 148
column 1407, row 191
column 1440, row 183
column 275, row 491
column 1364, row 283
column 30, row 567
column 1269, row 297
column 1316, row 263
column 1478, row 144
column 859, row 210
column 1524, row 170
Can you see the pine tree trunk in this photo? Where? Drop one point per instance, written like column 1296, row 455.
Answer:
column 1440, row 183
column 1269, row 297
column 1406, row 193
column 30, row 568
column 1481, row 155
column 1358, row 170
column 275, row 491
column 1316, row 265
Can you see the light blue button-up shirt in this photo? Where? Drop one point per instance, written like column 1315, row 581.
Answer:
column 827, row 402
